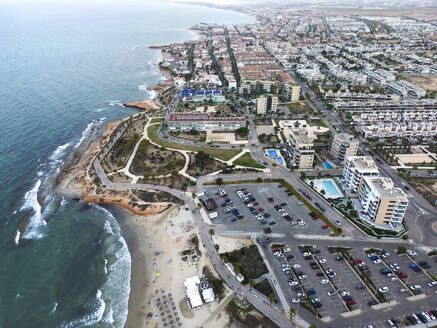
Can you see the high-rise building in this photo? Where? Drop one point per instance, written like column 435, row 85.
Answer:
column 382, row 202
column 355, row 169
column 266, row 103
column 344, row 145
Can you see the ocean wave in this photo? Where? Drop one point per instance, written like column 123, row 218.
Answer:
column 84, row 134
column 152, row 94
column 56, row 157
column 36, row 222
column 142, row 87
column 17, row 238
column 117, row 268
column 115, row 103
column 98, row 309
column 98, row 110
column 55, row 306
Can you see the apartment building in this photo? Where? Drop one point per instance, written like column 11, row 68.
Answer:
column 299, row 149
column 203, row 122
column 266, row 103
column 291, row 92
column 381, row 202
column 356, row 168
column 343, row 145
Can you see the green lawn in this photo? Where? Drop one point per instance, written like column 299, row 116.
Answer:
column 248, row 161
column 223, row 154
column 156, row 120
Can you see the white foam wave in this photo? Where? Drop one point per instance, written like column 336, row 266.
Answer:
column 36, row 222
column 56, row 156
column 142, row 87
column 100, row 109
column 152, row 94
column 98, row 309
column 55, row 306
column 114, row 103
column 17, row 237
column 84, row 134
column 117, row 269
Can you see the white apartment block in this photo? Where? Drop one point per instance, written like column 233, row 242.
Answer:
column 300, row 145
column 355, row 169
column 203, row 122
column 381, row 202
column 344, row 145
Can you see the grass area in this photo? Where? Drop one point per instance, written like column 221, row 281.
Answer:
column 265, row 288
column 223, row 154
column 247, row 160
column 246, row 261
column 156, row 120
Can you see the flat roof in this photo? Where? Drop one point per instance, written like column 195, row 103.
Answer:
column 181, row 117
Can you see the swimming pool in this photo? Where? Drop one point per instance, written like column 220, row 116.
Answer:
column 273, row 154
column 329, row 186
column 328, row 165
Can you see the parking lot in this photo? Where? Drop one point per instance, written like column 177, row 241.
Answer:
column 396, row 290
column 346, row 279
column 257, row 206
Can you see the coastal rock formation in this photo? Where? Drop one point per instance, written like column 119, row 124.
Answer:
column 146, row 105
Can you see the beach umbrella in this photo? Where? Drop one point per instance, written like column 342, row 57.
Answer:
column 158, row 274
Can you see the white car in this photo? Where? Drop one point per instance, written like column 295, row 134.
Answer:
column 432, row 284
column 323, row 260
column 306, row 254
column 343, row 294
column 411, row 252
column 383, row 289
column 292, row 283
column 303, row 277
column 299, row 203
column 324, row 281
column 416, row 287
column 295, row 300
column 287, row 250
column 296, row 266
column 377, row 261
column 393, row 279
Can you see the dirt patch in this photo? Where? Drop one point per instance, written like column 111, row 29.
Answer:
column 427, row 187
column 192, row 135
column 427, row 82
column 186, row 312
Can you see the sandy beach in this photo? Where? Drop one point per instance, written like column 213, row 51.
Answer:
column 158, row 271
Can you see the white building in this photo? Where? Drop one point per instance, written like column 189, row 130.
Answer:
column 266, row 103
column 355, row 169
column 203, row 122
column 381, row 202
column 344, row 145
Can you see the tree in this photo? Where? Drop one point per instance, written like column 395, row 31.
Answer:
column 402, row 249
column 259, row 180
column 303, row 175
column 217, row 247
column 267, row 230
column 211, row 232
column 292, row 311
column 219, row 181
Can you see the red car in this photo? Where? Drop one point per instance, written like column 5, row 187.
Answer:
column 255, row 204
column 358, row 261
column 403, row 275
column 271, row 200
column 225, row 195
column 324, row 227
column 260, row 209
column 315, row 217
column 350, row 302
column 243, row 189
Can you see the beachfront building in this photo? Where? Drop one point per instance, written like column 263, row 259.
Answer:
column 343, row 145
column 380, row 202
column 198, row 291
column 356, row 168
column 203, row 122
column 266, row 103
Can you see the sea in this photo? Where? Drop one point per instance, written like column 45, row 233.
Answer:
column 65, row 70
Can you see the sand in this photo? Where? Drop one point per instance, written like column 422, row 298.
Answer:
column 158, row 271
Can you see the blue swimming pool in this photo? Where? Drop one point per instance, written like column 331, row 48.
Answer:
column 327, row 165
column 272, row 153
column 330, row 188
